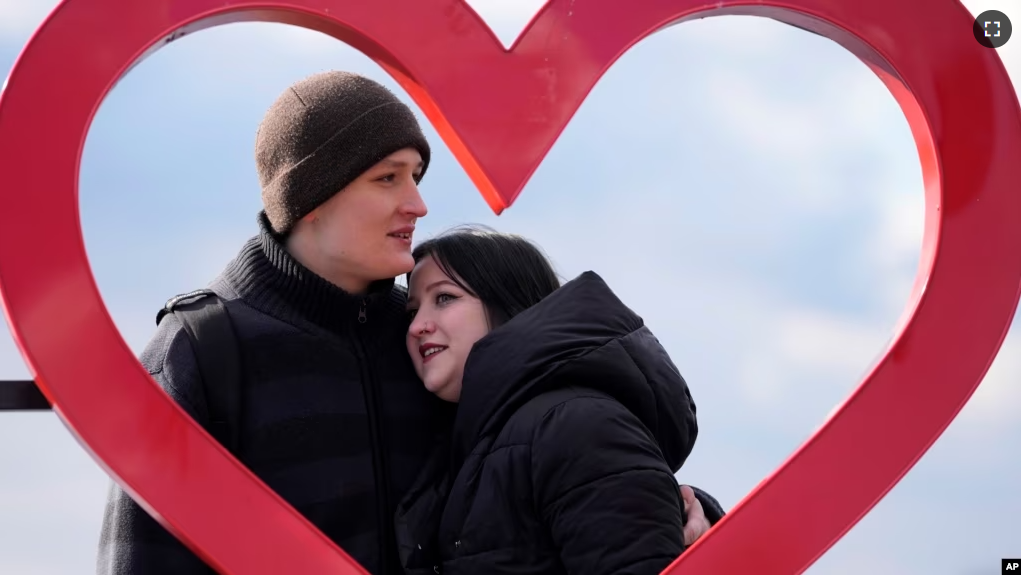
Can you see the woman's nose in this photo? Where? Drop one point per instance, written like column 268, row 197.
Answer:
column 420, row 326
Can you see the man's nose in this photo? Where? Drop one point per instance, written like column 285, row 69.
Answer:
column 415, row 205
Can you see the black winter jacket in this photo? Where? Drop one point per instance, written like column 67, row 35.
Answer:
column 571, row 423
column 334, row 418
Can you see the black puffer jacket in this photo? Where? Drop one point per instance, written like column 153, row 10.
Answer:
column 571, row 424
column 334, row 419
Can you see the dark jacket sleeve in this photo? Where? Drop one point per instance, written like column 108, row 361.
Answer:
column 131, row 541
column 710, row 506
column 603, row 489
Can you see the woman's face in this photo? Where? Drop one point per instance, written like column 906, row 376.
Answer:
column 446, row 323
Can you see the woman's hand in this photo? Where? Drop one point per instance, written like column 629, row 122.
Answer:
column 697, row 523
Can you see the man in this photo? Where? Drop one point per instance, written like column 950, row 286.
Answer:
column 334, row 418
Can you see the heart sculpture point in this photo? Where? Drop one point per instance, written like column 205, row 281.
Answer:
column 500, row 111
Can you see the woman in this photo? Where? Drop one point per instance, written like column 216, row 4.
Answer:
column 571, row 420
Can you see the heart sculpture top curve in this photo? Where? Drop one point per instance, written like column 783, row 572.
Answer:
column 486, row 100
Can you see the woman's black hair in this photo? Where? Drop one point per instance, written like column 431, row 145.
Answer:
column 508, row 273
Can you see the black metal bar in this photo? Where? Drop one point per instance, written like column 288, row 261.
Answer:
column 22, row 396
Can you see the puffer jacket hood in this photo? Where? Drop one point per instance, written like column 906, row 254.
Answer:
column 580, row 335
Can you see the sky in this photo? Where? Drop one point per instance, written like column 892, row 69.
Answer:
column 757, row 201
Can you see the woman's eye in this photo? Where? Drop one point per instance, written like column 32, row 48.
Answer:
column 444, row 298
column 411, row 313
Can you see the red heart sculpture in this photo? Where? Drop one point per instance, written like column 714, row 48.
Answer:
column 500, row 111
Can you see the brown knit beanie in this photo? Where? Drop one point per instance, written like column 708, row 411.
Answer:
column 321, row 134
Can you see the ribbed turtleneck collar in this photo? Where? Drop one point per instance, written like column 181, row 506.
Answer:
column 267, row 277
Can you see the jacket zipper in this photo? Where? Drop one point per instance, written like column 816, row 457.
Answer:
column 379, row 463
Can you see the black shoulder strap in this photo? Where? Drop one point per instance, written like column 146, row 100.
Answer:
column 207, row 322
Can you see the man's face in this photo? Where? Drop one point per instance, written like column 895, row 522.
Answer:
column 363, row 233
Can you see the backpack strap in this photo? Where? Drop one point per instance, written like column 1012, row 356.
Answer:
column 208, row 325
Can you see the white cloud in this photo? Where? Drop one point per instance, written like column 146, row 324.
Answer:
column 895, row 247
column 52, row 497
column 12, row 366
column 812, row 127
column 813, row 345
column 993, row 408
column 18, row 18
column 780, row 127
column 901, row 225
column 507, row 18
